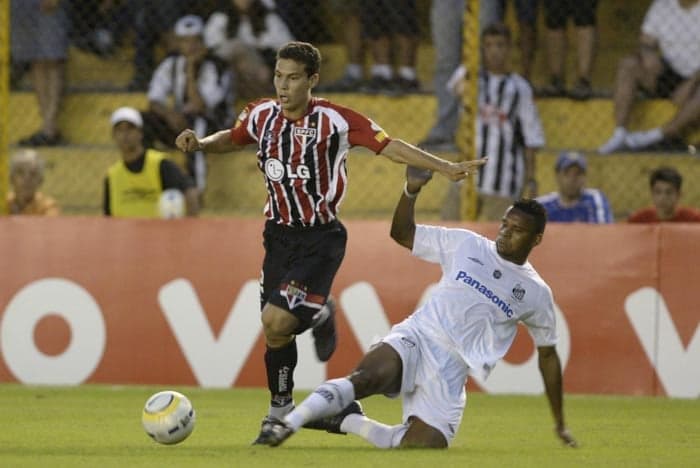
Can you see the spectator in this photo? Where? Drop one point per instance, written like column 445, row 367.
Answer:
column 199, row 86
column 153, row 23
column 509, row 131
column 583, row 13
column 446, row 21
column 39, row 36
column 97, row 26
column 391, row 28
column 247, row 34
column 353, row 77
column 26, row 176
column 666, row 66
column 133, row 185
column 494, row 11
column 573, row 202
column 665, row 184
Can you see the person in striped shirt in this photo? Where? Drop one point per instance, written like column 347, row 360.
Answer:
column 302, row 146
column 573, row 202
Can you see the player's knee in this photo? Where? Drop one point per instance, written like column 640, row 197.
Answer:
column 422, row 435
column 278, row 326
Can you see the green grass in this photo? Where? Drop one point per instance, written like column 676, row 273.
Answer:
column 100, row 426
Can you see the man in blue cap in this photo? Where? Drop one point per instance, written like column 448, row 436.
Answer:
column 573, row 202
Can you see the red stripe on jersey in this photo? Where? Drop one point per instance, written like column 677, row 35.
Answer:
column 304, row 160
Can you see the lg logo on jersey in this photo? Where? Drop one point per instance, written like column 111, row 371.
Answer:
column 276, row 171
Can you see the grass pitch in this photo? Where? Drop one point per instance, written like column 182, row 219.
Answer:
column 100, row 426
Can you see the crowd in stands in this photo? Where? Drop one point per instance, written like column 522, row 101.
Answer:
column 218, row 52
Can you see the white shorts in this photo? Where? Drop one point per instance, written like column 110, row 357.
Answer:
column 433, row 380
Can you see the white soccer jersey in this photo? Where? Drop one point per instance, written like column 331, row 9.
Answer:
column 476, row 306
column 508, row 122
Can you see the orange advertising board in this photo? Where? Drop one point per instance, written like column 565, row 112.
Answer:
column 176, row 302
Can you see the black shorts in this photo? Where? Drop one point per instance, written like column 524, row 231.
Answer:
column 667, row 82
column 381, row 18
column 299, row 267
column 557, row 12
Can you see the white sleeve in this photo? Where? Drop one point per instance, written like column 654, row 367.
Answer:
column 530, row 118
column 542, row 324
column 215, row 30
column 276, row 33
column 161, row 83
column 652, row 25
column 213, row 85
column 436, row 244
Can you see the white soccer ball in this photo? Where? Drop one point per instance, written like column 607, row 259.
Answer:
column 168, row 417
column 171, row 204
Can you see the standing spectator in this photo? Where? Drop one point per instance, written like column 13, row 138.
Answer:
column 508, row 130
column 133, row 185
column 303, row 143
column 465, row 327
column 199, row 86
column 446, row 22
column 353, row 77
column 665, row 185
column 39, row 36
column 666, row 66
column 26, row 176
column 573, row 202
column 391, row 28
column 247, row 34
column 557, row 13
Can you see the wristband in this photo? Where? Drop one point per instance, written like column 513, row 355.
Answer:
column 409, row 194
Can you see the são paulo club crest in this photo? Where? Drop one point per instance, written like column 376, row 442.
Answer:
column 295, row 294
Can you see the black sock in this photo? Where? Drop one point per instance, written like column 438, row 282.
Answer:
column 280, row 364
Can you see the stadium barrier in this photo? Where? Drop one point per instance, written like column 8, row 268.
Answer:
column 176, row 302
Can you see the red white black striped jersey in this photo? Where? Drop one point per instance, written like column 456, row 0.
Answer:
column 508, row 123
column 304, row 160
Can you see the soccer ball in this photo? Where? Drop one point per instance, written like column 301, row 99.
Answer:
column 168, row 417
column 171, row 204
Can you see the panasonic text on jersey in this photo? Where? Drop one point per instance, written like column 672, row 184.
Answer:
column 464, row 277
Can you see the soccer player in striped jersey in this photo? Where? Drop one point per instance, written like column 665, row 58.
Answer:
column 573, row 202
column 302, row 146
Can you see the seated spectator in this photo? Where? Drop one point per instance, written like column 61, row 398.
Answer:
column 666, row 66
column 583, row 13
column 247, row 34
column 573, row 202
column 133, row 185
column 189, row 89
column 665, row 184
column 39, row 36
column 26, row 176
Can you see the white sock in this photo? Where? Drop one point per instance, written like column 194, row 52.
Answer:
column 328, row 399
column 407, row 73
column 353, row 70
column 378, row 434
column 382, row 71
column 643, row 139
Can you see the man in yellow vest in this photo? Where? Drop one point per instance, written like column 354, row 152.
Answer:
column 134, row 185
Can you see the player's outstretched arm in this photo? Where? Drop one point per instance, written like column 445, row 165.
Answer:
column 550, row 367
column 403, row 225
column 219, row 142
column 401, row 152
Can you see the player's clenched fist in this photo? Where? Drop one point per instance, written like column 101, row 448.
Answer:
column 187, row 141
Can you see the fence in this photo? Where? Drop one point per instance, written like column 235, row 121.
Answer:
column 106, row 61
